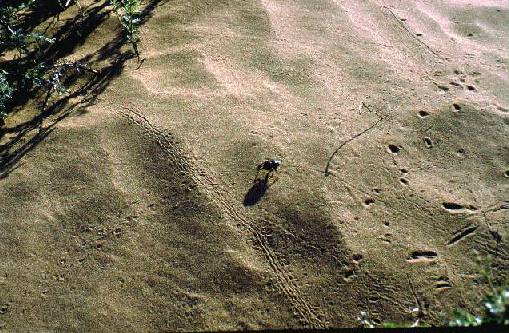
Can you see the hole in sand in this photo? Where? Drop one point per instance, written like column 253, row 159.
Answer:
column 422, row 255
column 444, row 88
column 423, row 114
column 470, row 88
column 456, row 84
column 452, row 206
column 403, row 181
column 456, row 107
column 377, row 190
column 369, row 201
column 403, row 170
column 470, row 35
column 349, row 273
column 394, row 149
column 428, row 142
column 418, row 35
column 506, row 174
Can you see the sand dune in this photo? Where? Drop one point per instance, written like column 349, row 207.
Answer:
column 129, row 214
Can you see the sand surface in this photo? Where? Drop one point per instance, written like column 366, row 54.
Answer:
column 131, row 207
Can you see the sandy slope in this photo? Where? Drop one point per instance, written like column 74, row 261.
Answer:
column 129, row 215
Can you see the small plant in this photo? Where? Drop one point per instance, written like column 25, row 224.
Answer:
column 496, row 311
column 5, row 95
column 25, row 68
column 14, row 37
column 495, row 304
column 128, row 12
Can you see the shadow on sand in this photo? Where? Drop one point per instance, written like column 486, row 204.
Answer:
column 257, row 190
column 85, row 88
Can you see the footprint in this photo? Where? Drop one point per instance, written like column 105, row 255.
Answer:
column 369, row 201
column 422, row 256
column 357, row 258
column 459, row 235
column 423, row 114
column 386, row 237
column 442, row 283
column 453, row 208
column 117, row 232
column 428, row 142
column 394, row 149
column 348, row 275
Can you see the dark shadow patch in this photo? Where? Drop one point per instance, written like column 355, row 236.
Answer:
column 423, row 114
column 452, row 206
column 393, row 149
column 307, row 233
column 86, row 88
column 256, row 192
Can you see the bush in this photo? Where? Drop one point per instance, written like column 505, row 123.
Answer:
column 128, row 12
column 28, row 62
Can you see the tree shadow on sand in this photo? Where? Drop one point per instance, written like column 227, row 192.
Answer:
column 84, row 89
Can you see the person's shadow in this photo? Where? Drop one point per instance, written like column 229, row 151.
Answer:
column 257, row 191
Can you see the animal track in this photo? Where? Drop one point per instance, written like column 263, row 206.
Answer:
column 420, row 256
column 458, row 236
column 284, row 281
